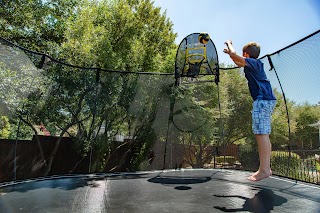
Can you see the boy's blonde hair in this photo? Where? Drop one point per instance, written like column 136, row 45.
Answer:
column 253, row 49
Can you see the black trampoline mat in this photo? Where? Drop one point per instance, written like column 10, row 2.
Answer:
column 196, row 190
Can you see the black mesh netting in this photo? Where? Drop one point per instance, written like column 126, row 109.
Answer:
column 58, row 118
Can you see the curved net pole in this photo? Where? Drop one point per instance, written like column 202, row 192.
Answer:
column 170, row 120
column 287, row 111
column 15, row 152
column 221, row 124
column 284, row 98
column 97, row 90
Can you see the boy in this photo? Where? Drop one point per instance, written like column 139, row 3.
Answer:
column 263, row 105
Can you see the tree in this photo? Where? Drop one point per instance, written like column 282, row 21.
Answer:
column 305, row 135
column 36, row 24
column 237, row 105
column 122, row 34
column 87, row 99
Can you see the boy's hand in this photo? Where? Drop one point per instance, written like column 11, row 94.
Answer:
column 228, row 42
column 237, row 59
column 227, row 50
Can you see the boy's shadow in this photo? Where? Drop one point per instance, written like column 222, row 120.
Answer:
column 262, row 202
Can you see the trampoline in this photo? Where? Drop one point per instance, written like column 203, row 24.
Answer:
column 186, row 190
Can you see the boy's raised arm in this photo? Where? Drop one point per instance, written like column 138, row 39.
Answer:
column 237, row 59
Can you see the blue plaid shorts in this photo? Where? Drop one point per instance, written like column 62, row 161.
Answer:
column 261, row 116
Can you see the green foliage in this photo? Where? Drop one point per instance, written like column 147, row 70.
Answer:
column 101, row 149
column 4, row 127
column 285, row 163
column 306, row 136
column 166, row 65
column 236, row 106
column 25, row 132
column 146, row 138
column 35, row 24
column 228, row 159
column 122, row 34
column 249, row 158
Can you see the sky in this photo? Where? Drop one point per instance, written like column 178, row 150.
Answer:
column 274, row 24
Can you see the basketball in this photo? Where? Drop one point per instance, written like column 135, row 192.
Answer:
column 204, row 38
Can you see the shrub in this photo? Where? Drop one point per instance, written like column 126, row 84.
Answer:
column 249, row 159
column 229, row 159
column 285, row 164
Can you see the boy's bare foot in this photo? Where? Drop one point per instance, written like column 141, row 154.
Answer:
column 259, row 175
